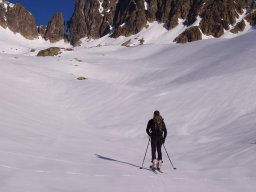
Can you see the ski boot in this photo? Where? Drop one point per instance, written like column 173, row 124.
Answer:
column 154, row 165
column 159, row 165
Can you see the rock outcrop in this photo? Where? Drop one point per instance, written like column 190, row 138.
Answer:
column 130, row 17
column 189, row 35
column 239, row 27
column 251, row 17
column 217, row 15
column 52, row 51
column 19, row 20
column 42, row 30
column 2, row 16
column 158, row 10
column 90, row 19
column 55, row 30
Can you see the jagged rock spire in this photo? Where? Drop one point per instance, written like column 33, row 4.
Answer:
column 56, row 28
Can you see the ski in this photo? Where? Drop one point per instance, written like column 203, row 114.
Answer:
column 156, row 170
column 153, row 170
column 149, row 169
column 159, row 171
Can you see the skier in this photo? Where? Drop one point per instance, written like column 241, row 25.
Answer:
column 157, row 132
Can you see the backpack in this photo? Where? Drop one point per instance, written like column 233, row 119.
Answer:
column 158, row 120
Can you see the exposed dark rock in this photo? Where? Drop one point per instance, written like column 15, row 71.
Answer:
column 180, row 9
column 19, row 20
column 141, row 41
column 217, row 15
column 152, row 9
column 126, row 43
column 130, row 18
column 239, row 27
column 251, row 18
column 2, row 16
column 55, row 28
column 89, row 20
column 109, row 7
column 189, row 35
column 69, row 49
column 183, row 9
column 81, row 78
column 52, row 51
column 158, row 10
column 42, row 30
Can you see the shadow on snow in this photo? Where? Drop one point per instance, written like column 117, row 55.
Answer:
column 114, row 160
column 118, row 161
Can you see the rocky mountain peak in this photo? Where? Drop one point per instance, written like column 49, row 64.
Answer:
column 96, row 18
column 18, row 20
column 56, row 28
column 91, row 18
column 128, row 17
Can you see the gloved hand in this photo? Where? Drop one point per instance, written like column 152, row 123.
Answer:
column 163, row 140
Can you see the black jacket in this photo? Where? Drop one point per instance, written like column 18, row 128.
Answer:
column 151, row 129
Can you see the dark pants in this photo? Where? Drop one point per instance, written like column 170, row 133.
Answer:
column 156, row 145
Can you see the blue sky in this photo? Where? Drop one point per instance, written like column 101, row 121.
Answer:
column 43, row 10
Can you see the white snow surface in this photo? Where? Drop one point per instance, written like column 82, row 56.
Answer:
column 58, row 134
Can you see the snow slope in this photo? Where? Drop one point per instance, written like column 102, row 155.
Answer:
column 61, row 134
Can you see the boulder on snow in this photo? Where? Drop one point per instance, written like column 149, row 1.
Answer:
column 52, row 51
column 81, row 78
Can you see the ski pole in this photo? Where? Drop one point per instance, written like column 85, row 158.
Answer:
column 145, row 154
column 169, row 157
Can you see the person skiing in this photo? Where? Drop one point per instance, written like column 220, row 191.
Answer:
column 157, row 132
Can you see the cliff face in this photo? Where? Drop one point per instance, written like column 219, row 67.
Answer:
column 91, row 18
column 18, row 20
column 55, row 30
column 130, row 17
column 2, row 16
column 96, row 18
